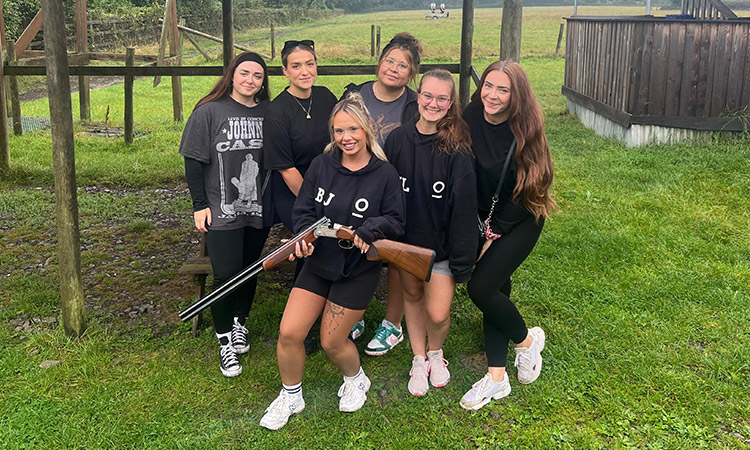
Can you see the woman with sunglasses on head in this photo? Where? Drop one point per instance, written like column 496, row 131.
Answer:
column 391, row 103
column 514, row 174
column 352, row 185
column 433, row 158
column 296, row 132
column 222, row 145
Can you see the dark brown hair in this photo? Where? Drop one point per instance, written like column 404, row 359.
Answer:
column 223, row 87
column 409, row 45
column 289, row 49
column 453, row 133
column 526, row 121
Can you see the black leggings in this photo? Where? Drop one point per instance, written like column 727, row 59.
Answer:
column 490, row 284
column 230, row 252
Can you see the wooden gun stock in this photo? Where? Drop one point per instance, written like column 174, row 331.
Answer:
column 416, row 260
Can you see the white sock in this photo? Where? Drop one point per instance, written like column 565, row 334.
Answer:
column 361, row 372
column 295, row 389
column 385, row 323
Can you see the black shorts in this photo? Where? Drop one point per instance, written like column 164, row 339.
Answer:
column 352, row 293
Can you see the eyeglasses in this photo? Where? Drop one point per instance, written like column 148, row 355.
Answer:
column 288, row 45
column 352, row 130
column 401, row 67
column 441, row 100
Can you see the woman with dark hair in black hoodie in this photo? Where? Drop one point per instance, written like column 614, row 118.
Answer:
column 433, row 158
column 391, row 103
column 352, row 185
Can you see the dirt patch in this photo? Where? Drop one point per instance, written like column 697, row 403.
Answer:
column 40, row 91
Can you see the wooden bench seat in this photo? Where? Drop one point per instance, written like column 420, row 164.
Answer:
column 199, row 267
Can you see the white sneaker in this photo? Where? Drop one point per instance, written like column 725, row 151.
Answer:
column 420, row 369
column 353, row 393
column 228, row 362
column 239, row 338
column 279, row 411
column 439, row 375
column 357, row 330
column 529, row 360
column 485, row 390
column 386, row 337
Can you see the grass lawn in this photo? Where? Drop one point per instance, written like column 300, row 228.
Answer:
column 640, row 281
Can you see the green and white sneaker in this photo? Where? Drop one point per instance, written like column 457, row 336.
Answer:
column 357, row 330
column 386, row 337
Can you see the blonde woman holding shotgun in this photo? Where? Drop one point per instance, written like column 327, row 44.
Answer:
column 352, row 185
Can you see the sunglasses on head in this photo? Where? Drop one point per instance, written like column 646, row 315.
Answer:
column 288, row 45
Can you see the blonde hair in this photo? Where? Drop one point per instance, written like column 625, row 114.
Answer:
column 355, row 107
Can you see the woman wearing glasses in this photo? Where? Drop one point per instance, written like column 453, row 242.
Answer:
column 391, row 103
column 352, row 185
column 507, row 130
column 434, row 161
column 296, row 130
column 222, row 145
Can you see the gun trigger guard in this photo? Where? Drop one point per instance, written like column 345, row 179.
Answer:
column 346, row 245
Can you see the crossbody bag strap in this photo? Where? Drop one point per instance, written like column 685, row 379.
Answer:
column 496, row 196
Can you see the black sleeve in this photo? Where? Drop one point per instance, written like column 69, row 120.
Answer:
column 462, row 231
column 194, row 175
column 196, row 138
column 277, row 145
column 391, row 221
column 305, row 211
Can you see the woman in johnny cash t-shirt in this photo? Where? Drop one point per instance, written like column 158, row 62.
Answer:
column 222, row 145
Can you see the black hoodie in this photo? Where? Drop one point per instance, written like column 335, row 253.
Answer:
column 441, row 197
column 369, row 200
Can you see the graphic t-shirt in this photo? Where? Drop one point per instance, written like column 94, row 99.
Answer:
column 384, row 116
column 227, row 136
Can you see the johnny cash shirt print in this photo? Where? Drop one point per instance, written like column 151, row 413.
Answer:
column 228, row 137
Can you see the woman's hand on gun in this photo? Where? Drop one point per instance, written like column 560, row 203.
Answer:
column 301, row 250
column 360, row 244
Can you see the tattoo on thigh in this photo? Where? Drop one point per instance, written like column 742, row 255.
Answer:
column 334, row 312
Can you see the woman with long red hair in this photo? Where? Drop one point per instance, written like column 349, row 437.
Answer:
column 514, row 173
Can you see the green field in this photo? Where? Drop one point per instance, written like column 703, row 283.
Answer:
column 640, row 281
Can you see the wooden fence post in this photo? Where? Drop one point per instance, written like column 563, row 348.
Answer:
column 15, row 103
column 129, row 62
column 559, row 39
column 510, row 30
column 4, row 137
column 227, row 32
column 63, row 156
column 84, row 93
column 372, row 41
column 273, row 43
column 467, row 38
column 377, row 43
column 174, row 50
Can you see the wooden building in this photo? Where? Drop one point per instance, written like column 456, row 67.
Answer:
column 648, row 79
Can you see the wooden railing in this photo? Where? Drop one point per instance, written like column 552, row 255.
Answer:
column 707, row 9
column 641, row 66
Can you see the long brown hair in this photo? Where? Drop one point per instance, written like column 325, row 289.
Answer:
column 453, row 134
column 409, row 45
column 526, row 121
column 223, row 87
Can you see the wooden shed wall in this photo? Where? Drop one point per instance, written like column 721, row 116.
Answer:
column 656, row 67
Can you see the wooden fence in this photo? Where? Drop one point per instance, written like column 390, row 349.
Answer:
column 666, row 72
column 707, row 9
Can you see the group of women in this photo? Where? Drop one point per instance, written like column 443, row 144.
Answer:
column 392, row 163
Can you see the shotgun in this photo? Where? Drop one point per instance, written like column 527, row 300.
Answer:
column 416, row 260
